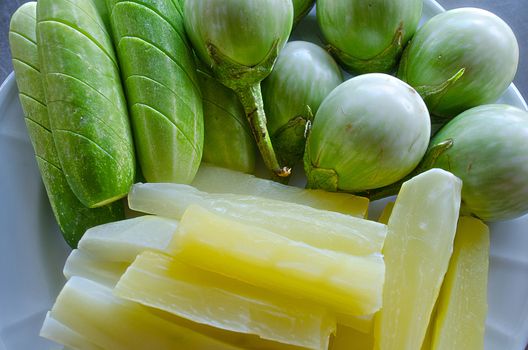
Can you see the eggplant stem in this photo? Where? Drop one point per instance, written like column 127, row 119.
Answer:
column 251, row 99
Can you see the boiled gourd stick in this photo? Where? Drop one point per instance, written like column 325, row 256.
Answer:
column 462, row 304
column 82, row 264
column 417, row 252
column 347, row 338
column 343, row 283
column 319, row 228
column 240, row 340
column 91, row 310
column 386, row 213
column 59, row 333
column 220, row 180
column 159, row 281
column 122, row 241
column 361, row 324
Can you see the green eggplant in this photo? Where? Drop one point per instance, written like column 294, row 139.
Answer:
column 86, row 105
column 303, row 76
column 460, row 59
column 301, row 8
column 371, row 131
column 72, row 216
column 368, row 36
column 161, row 87
column 240, row 41
column 228, row 142
column 488, row 150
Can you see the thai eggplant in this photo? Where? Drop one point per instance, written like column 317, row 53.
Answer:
column 301, row 79
column 370, row 131
column 460, row 59
column 240, row 41
column 228, row 142
column 368, row 36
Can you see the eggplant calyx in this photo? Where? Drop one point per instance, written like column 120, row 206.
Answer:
column 235, row 75
column 385, row 61
column 324, row 179
column 289, row 140
column 432, row 94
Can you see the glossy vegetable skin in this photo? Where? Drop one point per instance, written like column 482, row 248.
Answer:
column 302, row 77
column 359, row 143
column 460, row 59
column 368, row 36
column 228, row 141
column 161, row 87
column 72, row 216
column 301, row 8
column 240, row 41
column 489, row 152
column 86, row 105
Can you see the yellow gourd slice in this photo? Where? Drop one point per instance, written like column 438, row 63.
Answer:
column 122, row 241
column 219, row 180
column 159, row 281
column 109, row 322
column 347, row 338
column 319, row 228
column 343, row 283
column 417, row 252
column 59, row 333
column 462, row 304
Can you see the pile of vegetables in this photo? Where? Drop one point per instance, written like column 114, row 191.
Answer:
column 131, row 100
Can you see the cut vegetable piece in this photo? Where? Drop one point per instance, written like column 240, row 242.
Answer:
column 122, row 241
column 159, row 281
column 343, row 283
column 347, row 338
column 91, row 310
column 386, row 213
column 87, row 109
column 166, row 114
column 219, row 180
column 319, row 228
column 83, row 264
column 361, row 324
column 239, row 340
column 462, row 304
column 417, row 251
column 59, row 333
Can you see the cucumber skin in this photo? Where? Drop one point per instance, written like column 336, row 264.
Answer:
column 86, row 104
column 161, row 86
column 71, row 215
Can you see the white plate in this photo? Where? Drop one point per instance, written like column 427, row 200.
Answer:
column 32, row 251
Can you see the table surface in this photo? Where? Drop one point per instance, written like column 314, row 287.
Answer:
column 510, row 10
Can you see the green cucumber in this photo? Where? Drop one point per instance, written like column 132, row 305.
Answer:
column 71, row 215
column 161, row 87
column 86, row 105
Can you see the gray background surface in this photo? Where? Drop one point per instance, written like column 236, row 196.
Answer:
column 512, row 11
